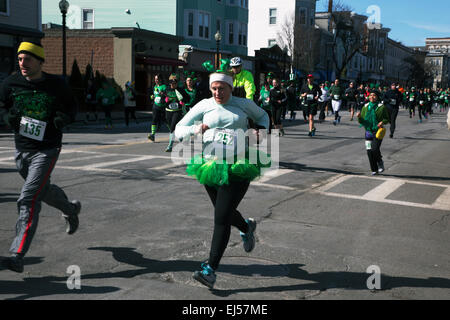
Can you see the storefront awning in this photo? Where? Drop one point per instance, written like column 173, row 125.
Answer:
column 158, row 61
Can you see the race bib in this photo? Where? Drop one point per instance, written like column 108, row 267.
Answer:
column 225, row 138
column 173, row 106
column 337, row 97
column 361, row 96
column 310, row 97
column 32, row 128
column 421, row 102
column 158, row 100
column 368, row 145
column 411, row 99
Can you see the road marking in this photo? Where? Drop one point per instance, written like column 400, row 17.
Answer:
column 443, row 201
column 272, row 174
column 382, row 191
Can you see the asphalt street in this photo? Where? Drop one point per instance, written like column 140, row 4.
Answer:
column 326, row 228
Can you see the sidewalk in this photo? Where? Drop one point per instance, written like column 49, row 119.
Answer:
column 116, row 115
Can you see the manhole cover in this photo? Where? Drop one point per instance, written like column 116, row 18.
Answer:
column 251, row 267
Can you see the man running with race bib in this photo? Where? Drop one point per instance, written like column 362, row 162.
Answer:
column 39, row 105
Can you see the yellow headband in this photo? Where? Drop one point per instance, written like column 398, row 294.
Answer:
column 32, row 48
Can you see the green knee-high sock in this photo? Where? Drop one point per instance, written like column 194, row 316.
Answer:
column 153, row 128
column 171, row 138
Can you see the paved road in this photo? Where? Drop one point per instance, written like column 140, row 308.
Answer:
column 325, row 226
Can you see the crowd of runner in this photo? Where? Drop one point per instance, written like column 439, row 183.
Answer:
column 39, row 105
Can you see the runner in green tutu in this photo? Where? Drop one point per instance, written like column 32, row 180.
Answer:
column 227, row 164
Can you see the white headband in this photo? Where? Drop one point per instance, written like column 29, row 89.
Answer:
column 221, row 77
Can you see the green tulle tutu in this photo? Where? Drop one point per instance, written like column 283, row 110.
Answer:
column 211, row 172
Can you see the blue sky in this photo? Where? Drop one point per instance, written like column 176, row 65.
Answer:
column 410, row 21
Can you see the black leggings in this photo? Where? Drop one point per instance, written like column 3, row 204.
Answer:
column 276, row 113
column 225, row 199
column 158, row 114
column 173, row 117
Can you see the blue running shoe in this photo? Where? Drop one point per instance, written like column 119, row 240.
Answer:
column 249, row 237
column 206, row 277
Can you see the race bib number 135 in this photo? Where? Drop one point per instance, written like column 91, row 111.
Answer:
column 32, row 128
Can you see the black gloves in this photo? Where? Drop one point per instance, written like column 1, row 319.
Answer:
column 61, row 120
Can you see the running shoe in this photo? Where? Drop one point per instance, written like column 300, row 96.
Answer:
column 13, row 263
column 380, row 167
column 313, row 132
column 339, row 119
column 169, row 148
column 335, row 122
column 206, row 276
column 374, row 173
column 151, row 137
column 72, row 221
column 391, row 136
column 310, row 134
column 249, row 237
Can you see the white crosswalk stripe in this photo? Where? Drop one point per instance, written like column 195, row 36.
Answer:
column 386, row 188
column 379, row 193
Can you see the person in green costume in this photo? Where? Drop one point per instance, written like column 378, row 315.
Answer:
column 175, row 101
column 373, row 117
column 264, row 102
column 107, row 96
column 159, row 103
column 192, row 92
column 221, row 121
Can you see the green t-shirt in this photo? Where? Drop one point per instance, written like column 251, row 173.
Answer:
column 265, row 103
column 159, row 93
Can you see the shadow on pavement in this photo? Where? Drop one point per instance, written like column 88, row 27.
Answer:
column 339, row 280
column 34, row 287
column 322, row 281
column 8, row 197
column 303, row 167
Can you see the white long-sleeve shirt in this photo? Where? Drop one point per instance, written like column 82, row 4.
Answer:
column 232, row 115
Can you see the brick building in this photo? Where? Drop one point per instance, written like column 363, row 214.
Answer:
column 120, row 54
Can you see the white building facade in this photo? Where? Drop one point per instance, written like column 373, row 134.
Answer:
column 267, row 17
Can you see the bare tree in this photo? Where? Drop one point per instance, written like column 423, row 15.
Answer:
column 350, row 37
column 336, row 5
column 299, row 42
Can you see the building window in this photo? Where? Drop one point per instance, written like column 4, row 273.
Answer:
column 230, row 33
column 273, row 16
column 244, row 3
column 242, row 35
column 190, row 24
column 4, row 7
column 203, row 25
column 88, row 18
column 302, row 16
column 271, row 43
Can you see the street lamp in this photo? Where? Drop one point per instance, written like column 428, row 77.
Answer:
column 218, row 38
column 64, row 6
